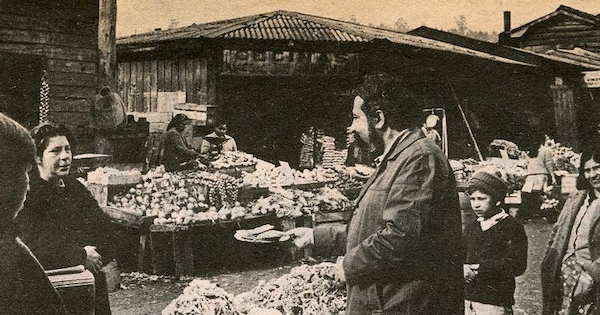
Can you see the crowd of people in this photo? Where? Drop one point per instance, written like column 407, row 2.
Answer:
column 404, row 250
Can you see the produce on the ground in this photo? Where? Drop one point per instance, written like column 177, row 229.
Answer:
column 201, row 297
column 307, row 290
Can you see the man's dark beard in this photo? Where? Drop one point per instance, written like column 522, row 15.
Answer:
column 375, row 145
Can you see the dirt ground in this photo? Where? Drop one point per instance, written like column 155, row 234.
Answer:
column 151, row 297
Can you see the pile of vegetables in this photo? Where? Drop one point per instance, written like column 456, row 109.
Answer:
column 185, row 202
column 232, row 159
column 202, row 297
column 564, row 158
column 282, row 176
column 293, row 203
column 306, row 290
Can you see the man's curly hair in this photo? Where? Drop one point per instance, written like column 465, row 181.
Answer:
column 381, row 91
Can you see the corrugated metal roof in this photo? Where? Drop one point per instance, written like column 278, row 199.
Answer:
column 577, row 56
column 284, row 25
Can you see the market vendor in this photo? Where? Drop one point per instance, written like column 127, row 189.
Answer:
column 176, row 150
column 540, row 178
column 403, row 248
column 218, row 141
column 24, row 287
column 61, row 222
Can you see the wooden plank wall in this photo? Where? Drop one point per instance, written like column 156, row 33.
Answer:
column 564, row 33
column 140, row 81
column 66, row 34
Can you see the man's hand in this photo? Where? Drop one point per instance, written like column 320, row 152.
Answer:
column 470, row 272
column 93, row 261
column 302, row 236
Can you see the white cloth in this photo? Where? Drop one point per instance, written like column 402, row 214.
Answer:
column 487, row 224
column 476, row 308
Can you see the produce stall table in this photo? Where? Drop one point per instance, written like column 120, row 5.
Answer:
column 183, row 249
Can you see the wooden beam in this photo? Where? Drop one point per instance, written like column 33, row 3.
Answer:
column 107, row 48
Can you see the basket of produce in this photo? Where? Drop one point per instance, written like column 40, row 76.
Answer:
column 234, row 163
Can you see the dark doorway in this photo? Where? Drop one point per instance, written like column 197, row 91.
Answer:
column 20, row 79
column 267, row 115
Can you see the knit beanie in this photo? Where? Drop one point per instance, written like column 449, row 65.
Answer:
column 490, row 184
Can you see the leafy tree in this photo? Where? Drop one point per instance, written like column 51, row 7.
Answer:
column 401, row 26
column 173, row 23
column 462, row 28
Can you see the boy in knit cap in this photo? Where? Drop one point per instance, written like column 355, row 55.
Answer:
column 496, row 250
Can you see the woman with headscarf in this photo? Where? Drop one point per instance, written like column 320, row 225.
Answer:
column 176, row 150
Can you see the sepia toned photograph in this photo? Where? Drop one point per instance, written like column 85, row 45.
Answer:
column 326, row 157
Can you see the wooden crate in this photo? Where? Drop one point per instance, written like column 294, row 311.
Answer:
column 331, row 216
column 75, row 288
column 123, row 217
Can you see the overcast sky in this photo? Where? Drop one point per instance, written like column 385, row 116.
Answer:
column 138, row 16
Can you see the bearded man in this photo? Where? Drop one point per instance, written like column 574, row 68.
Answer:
column 403, row 251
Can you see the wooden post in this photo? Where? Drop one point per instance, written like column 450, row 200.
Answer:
column 107, row 47
column 564, row 114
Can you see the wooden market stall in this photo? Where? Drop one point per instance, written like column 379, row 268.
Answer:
column 274, row 75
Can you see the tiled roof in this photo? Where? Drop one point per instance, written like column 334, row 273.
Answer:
column 275, row 25
column 285, row 25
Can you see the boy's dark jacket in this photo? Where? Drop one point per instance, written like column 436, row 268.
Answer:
column 501, row 252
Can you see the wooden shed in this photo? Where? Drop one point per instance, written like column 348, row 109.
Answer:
column 59, row 38
column 565, row 28
column 568, row 106
column 272, row 75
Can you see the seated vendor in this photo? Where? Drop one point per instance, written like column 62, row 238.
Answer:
column 218, row 141
column 61, row 222
column 176, row 150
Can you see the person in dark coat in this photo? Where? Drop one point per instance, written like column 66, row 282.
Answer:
column 496, row 249
column 571, row 266
column 403, row 246
column 24, row 287
column 176, row 150
column 61, row 221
